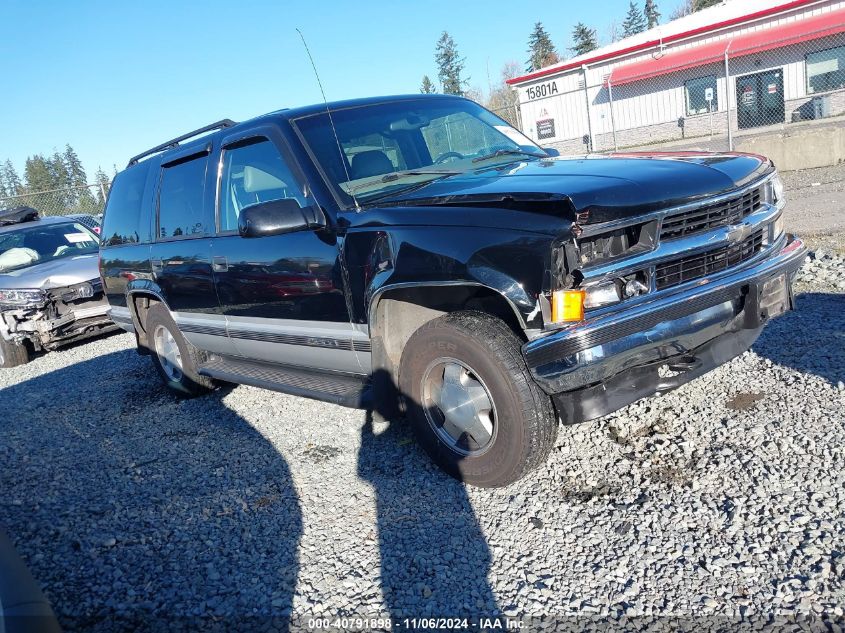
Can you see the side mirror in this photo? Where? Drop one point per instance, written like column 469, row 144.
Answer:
column 551, row 151
column 275, row 217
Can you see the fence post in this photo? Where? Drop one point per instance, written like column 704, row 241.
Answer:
column 728, row 92
column 612, row 120
column 589, row 116
column 103, row 191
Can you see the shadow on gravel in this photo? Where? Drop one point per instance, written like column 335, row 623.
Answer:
column 434, row 558
column 139, row 511
column 810, row 339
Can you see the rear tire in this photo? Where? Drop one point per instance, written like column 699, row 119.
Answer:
column 472, row 402
column 175, row 359
column 13, row 354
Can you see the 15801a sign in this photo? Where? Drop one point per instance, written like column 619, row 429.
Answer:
column 543, row 90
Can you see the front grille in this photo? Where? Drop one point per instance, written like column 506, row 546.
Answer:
column 711, row 216
column 700, row 265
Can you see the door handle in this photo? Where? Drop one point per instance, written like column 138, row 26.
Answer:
column 157, row 265
column 219, row 264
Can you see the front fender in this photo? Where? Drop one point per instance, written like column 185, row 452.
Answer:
column 382, row 290
column 512, row 264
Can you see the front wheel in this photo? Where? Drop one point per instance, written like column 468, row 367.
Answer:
column 473, row 405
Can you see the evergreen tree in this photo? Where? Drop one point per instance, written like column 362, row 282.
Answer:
column 652, row 15
column 80, row 197
column 10, row 182
column 58, row 171
column 634, row 22
column 698, row 5
column 583, row 39
column 65, row 200
column 450, row 65
column 541, row 51
column 38, row 174
column 427, row 87
column 73, row 166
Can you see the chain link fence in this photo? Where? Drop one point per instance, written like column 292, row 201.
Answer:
column 509, row 113
column 717, row 95
column 87, row 199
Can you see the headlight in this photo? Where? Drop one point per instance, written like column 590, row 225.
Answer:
column 603, row 294
column 775, row 230
column 777, row 191
column 22, row 297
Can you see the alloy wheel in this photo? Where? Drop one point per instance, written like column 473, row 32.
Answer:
column 458, row 406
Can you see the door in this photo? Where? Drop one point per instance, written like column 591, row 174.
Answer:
column 283, row 295
column 180, row 257
column 759, row 99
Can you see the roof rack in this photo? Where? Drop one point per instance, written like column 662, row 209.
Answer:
column 175, row 142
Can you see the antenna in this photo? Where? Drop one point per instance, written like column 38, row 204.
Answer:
column 331, row 120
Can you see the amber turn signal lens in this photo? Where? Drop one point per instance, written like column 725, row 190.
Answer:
column 567, row 305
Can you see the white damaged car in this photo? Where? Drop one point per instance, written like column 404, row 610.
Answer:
column 50, row 288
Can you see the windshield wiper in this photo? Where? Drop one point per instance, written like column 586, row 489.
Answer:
column 412, row 187
column 418, row 172
column 507, row 152
column 396, row 175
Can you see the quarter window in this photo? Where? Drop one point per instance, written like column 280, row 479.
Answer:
column 701, row 95
column 180, row 201
column 826, row 70
column 253, row 172
column 122, row 216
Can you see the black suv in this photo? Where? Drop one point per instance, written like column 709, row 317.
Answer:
column 420, row 250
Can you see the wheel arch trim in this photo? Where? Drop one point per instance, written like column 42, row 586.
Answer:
column 376, row 297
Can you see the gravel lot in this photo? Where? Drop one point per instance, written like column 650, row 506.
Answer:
column 723, row 499
column 817, row 203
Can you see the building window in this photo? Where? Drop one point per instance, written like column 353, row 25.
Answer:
column 701, row 95
column 826, row 70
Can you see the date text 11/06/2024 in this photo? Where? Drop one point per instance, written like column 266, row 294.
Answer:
column 427, row 623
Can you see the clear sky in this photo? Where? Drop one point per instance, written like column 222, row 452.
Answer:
column 116, row 78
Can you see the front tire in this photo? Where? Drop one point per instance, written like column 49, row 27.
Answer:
column 472, row 402
column 13, row 354
column 174, row 358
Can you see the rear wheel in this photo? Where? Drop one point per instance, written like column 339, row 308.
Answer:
column 13, row 354
column 474, row 406
column 175, row 359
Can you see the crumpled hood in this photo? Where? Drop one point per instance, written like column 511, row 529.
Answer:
column 606, row 187
column 53, row 274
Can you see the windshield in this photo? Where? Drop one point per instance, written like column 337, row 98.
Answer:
column 43, row 243
column 402, row 145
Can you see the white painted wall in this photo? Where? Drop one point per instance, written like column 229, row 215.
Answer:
column 661, row 99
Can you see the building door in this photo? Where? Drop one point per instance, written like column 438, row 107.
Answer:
column 759, row 99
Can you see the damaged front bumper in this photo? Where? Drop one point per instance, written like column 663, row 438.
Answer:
column 601, row 365
column 64, row 317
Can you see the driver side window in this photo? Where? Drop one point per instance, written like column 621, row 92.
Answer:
column 253, row 172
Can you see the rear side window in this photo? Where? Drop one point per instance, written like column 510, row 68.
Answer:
column 180, row 199
column 122, row 216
